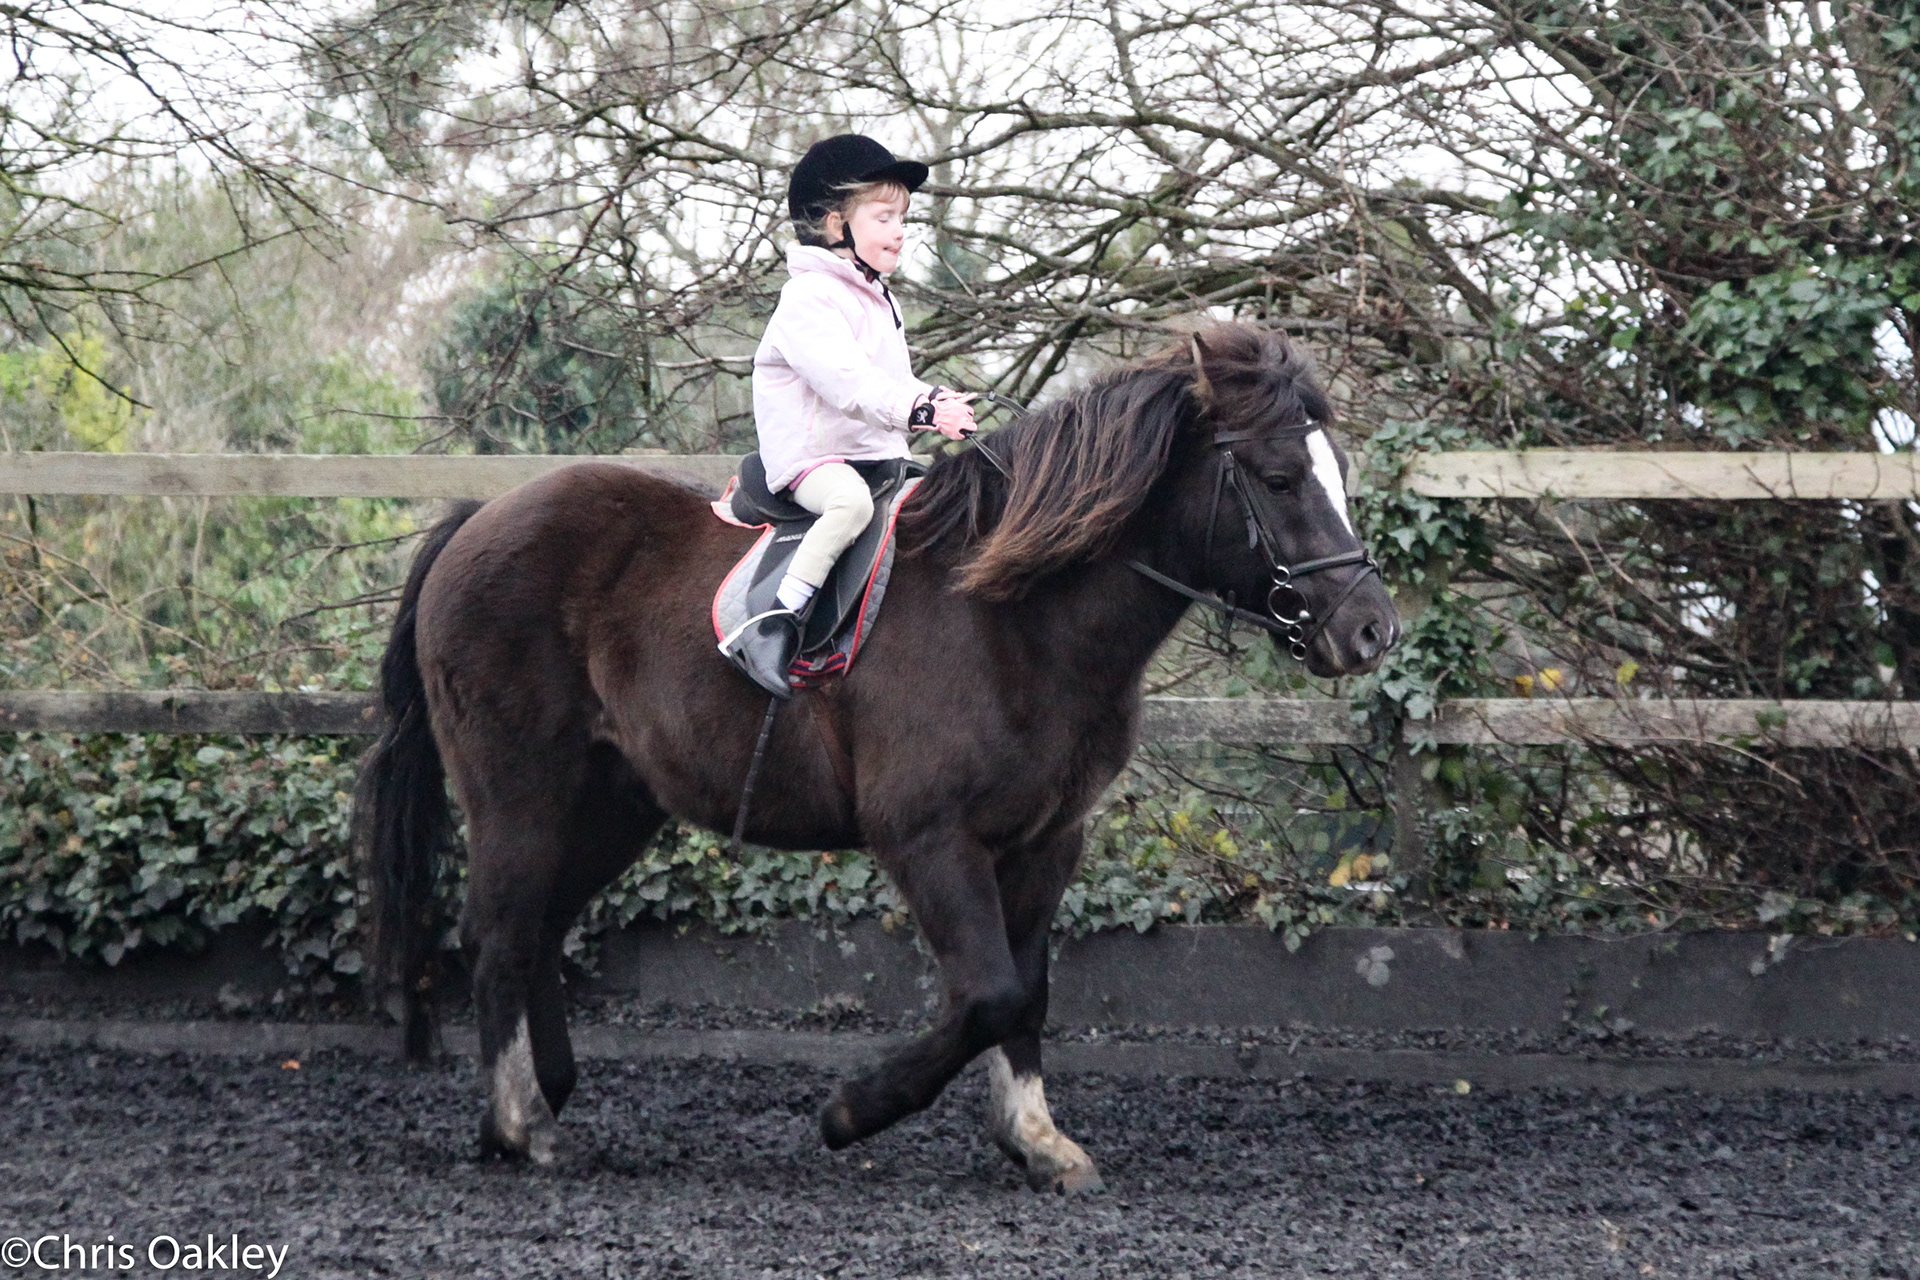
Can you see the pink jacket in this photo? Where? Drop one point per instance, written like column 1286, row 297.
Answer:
column 831, row 379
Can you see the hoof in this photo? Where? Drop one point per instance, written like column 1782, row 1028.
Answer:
column 837, row 1127
column 541, row 1145
column 1071, row 1181
column 491, row 1144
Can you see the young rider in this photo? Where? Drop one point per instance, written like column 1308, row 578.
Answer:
column 832, row 383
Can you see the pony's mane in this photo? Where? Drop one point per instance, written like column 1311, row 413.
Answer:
column 1083, row 465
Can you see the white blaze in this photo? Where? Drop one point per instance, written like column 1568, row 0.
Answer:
column 1326, row 469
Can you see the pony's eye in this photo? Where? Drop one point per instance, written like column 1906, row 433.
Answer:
column 1277, row 483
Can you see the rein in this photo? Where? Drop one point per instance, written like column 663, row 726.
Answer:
column 1288, row 614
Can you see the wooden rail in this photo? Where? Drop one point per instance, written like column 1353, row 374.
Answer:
column 226, row 475
column 1534, row 473
column 1278, row 721
column 1626, row 721
column 188, row 711
column 1169, row 721
column 1573, row 473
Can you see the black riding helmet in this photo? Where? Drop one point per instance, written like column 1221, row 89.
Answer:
column 842, row 161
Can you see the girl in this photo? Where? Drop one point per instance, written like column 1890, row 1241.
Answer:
column 831, row 379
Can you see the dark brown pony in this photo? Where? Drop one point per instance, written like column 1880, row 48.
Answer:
column 554, row 657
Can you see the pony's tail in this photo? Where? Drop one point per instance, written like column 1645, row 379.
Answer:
column 401, row 818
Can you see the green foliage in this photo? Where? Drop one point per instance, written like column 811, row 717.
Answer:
column 120, row 842
column 1789, row 346
column 533, row 365
column 248, row 591
column 1421, row 542
column 112, row 843
column 686, row 875
column 1715, row 291
column 524, row 368
column 54, row 390
column 262, row 353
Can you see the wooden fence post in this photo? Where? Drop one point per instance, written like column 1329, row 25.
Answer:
column 1413, row 795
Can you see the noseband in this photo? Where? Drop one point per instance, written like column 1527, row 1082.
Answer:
column 1288, row 614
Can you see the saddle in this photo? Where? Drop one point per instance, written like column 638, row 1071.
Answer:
column 843, row 609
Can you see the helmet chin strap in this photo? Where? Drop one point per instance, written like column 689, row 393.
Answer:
column 873, row 276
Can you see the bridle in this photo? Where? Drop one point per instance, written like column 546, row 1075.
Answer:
column 1288, row 615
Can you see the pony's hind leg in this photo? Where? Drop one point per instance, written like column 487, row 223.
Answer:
column 611, row 826
column 1031, row 882
column 531, row 869
column 510, row 873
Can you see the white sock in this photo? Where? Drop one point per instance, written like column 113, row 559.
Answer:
column 793, row 593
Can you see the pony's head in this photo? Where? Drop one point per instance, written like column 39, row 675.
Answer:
column 1210, row 463
column 1258, row 506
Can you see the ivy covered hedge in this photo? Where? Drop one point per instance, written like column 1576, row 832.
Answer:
column 113, row 843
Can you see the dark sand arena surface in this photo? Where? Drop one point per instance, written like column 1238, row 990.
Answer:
column 357, row 1167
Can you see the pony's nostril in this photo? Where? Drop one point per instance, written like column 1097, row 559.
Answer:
column 1370, row 640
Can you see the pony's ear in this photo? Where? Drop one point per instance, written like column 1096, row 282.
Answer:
column 1202, row 388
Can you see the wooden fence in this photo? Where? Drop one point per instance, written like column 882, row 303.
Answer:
column 1169, row 721
column 1534, row 473
column 1530, row 474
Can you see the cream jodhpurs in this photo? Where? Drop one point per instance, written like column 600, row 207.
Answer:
column 835, row 492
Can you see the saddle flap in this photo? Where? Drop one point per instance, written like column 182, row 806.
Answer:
column 839, row 596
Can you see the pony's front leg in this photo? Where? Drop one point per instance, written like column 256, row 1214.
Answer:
column 948, row 880
column 1021, row 1125
column 1031, row 882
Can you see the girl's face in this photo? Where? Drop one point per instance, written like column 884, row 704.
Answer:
column 879, row 231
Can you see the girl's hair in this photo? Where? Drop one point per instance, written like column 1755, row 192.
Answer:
column 848, row 196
